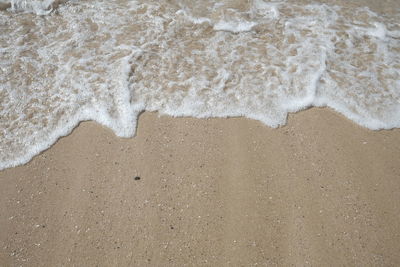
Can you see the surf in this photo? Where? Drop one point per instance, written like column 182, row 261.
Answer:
column 107, row 61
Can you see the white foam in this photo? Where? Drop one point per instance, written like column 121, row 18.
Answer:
column 266, row 9
column 109, row 60
column 379, row 31
column 39, row 7
column 193, row 19
column 234, row 26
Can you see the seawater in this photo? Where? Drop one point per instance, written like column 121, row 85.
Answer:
column 62, row 62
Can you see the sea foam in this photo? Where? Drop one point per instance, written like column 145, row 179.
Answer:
column 62, row 62
column 38, row 7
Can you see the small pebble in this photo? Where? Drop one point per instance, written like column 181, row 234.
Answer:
column 137, row 178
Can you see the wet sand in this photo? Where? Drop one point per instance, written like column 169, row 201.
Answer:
column 320, row 191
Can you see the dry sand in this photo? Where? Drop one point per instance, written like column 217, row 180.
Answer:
column 320, row 191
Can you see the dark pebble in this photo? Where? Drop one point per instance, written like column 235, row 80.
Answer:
column 137, row 178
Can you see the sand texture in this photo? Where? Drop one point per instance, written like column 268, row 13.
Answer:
column 320, row 191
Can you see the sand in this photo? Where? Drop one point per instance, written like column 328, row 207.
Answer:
column 320, row 191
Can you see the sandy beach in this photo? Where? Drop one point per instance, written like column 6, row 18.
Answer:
column 320, row 191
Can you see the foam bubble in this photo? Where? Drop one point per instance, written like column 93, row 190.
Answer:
column 379, row 31
column 234, row 26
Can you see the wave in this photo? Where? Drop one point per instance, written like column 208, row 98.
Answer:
column 108, row 61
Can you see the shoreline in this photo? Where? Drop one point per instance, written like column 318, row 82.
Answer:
column 70, row 130
column 320, row 190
